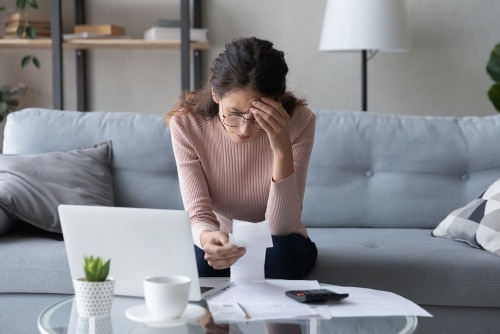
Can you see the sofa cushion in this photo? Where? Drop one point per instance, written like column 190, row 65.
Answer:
column 144, row 170
column 394, row 171
column 33, row 261
column 32, row 186
column 477, row 223
column 409, row 262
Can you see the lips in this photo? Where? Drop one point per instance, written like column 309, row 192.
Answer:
column 243, row 137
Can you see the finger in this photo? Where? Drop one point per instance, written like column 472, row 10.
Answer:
column 219, row 252
column 273, row 114
column 223, row 263
column 215, row 253
column 276, row 104
column 223, row 238
column 271, row 123
column 271, row 107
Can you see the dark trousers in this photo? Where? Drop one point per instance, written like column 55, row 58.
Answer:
column 291, row 257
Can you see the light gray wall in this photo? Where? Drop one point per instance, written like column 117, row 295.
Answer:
column 443, row 74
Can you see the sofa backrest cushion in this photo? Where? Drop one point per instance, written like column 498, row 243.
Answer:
column 367, row 169
column 371, row 169
column 143, row 164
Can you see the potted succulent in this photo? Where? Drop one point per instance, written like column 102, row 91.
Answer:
column 493, row 69
column 9, row 99
column 94, row 292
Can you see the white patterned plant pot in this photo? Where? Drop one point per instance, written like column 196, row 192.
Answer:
column 94, row 299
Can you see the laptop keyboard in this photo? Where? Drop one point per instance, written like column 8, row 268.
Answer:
column 204, row 289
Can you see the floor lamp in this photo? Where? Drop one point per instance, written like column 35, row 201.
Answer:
column 368, row 26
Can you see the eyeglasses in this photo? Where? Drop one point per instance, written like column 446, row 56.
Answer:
column 235, row 121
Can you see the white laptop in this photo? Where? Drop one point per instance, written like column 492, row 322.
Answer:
column 139, row 242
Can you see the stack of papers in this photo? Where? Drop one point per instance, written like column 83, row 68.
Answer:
column 266, row 300
column 261, row 301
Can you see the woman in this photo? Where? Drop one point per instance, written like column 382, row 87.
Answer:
column 242, row 146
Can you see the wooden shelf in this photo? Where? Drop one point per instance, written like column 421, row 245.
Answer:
column 190, row 52
column 19, row 43
column 129, row 43
column 118, row 43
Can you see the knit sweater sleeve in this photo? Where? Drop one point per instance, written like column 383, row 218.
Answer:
column 193, row 185
column 284, row 207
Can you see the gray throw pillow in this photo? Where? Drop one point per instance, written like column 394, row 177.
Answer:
column 32, row 186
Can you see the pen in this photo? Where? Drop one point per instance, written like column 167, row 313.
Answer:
column 245, row 313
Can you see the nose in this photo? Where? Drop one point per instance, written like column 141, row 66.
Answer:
column 246, row 127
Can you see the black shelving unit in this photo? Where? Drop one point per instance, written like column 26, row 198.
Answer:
column 81, row 54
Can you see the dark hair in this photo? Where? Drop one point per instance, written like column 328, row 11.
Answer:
column 248, row 63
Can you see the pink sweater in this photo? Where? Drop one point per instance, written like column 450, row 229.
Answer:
column 221, row 180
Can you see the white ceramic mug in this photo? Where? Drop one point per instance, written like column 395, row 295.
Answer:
column 166, row 296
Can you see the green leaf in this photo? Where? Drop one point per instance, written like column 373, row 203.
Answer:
column 494, row 95
column 104, row 271
column 2, row 8
column 31, row 32
column 21, row 4
column 36, row 62
column 33, row 4
column 3, row 107
column 95, row 269
column 493, row 66
column 25, row 61
column 20, row 31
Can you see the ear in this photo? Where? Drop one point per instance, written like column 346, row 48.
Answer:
column 214, row 96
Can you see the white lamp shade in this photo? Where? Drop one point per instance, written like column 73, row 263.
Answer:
column 353, row 25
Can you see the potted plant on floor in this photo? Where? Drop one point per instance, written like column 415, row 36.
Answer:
column 493, row 69
column 94, row 292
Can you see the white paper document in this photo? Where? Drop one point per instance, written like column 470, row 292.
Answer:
column 266, row 300
column 371, row 303
column 256, row 238
column 261, row 301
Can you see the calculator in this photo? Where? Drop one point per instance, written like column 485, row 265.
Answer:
column 315, row 295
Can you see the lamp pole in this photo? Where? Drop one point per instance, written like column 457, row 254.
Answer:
column 364, row 85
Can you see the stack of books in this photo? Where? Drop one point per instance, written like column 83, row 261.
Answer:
column 96, row 31
column 99, row 29
column 170, row 30
column 39, row 21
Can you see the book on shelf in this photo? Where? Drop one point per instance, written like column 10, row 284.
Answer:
column 37, row 25
column 31, row 17
column 174, row 34
column 90, row 35
column 102, row 29
column 40, row 22
column 41, row 30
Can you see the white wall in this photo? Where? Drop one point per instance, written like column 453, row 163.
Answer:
column 443, row 74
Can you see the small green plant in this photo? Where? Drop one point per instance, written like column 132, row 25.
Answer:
column 96, row 269
column 26, row 30
column 493, row 69
column 9, row 99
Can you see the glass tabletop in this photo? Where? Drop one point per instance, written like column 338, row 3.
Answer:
column 62, row 317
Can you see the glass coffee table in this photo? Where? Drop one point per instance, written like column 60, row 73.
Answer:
column 62, row 317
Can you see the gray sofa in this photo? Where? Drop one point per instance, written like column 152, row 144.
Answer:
column 378, row 184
